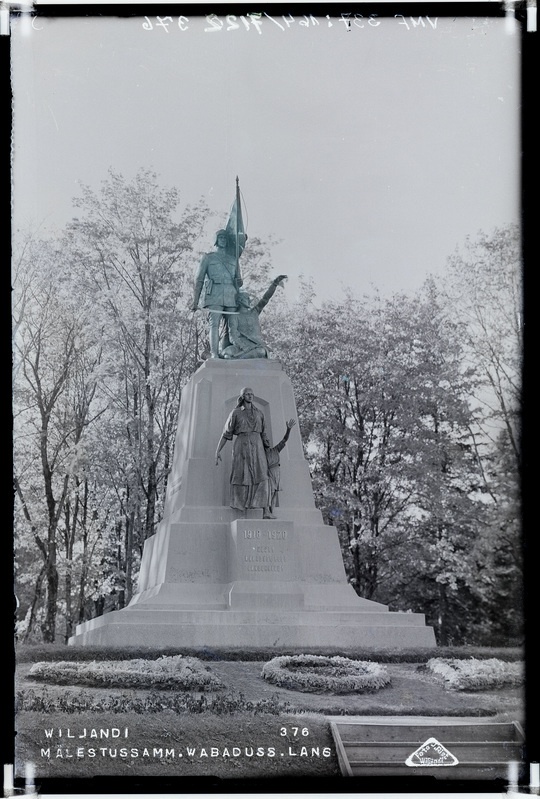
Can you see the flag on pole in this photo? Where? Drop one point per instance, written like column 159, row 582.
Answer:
column 236, row 234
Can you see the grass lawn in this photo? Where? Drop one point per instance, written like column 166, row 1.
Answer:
column 167, row 744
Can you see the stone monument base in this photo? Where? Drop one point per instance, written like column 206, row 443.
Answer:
column 265, row 599
column 213, row 576
column 256, row 628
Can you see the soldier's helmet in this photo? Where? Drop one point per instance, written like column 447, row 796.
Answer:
column 221, row 232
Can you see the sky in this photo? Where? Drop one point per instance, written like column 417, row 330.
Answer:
column 370, row 150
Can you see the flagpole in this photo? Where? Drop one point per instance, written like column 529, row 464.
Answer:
column 238, row 277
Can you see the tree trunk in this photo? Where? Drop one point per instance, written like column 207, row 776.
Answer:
column 48, row 628
column 442, row 616
column 84, row 560
column 35, row 601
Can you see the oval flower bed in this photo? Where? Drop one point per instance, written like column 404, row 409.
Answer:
column 316, row 673
column 184, row 673
column 476, row 675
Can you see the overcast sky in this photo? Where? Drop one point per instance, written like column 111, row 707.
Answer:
column 371, row 152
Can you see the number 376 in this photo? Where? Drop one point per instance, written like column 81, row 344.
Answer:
column 295, row 731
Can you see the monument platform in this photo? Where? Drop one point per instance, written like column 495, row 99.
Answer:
column 213, row 576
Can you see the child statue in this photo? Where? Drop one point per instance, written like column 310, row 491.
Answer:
column 272, row 459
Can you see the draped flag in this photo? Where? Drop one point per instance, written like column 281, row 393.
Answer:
column 236, row 234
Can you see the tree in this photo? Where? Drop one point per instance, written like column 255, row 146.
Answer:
column 49, row 420
column 383, row 397
column 105, row 342
column 134, row 257
column 447, row 513
column 483, row 288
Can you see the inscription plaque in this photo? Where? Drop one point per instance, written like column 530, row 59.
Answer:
column 263, row 549
column 264, row 565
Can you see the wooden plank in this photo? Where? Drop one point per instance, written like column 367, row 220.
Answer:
column 475, row 772
column 413, row 732
column 481, row 748
column 399, row 752
column 392, row 763
column 390, row 744
column 343, row 760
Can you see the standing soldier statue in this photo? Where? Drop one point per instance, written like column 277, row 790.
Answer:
column 217, row 289
column 219, row 276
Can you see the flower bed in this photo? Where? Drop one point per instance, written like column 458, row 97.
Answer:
column 77, row 701
column 185, row 673
column 476, row 675
column 319, row 674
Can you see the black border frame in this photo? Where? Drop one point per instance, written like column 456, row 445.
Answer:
column 416, row 786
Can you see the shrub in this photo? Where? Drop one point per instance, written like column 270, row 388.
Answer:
column 166, row 673
column 32, row 653
column 338, row 675
column 476, row 675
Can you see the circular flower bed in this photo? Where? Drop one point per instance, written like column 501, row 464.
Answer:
column 174, row 672
column 316, row 673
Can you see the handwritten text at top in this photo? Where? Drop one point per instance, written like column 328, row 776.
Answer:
column 256, row 21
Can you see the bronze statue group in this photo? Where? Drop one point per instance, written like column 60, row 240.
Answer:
column 234, row 333
column 218, row 289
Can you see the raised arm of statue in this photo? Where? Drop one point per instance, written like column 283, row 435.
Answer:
column 289, row 425
column 269, row 293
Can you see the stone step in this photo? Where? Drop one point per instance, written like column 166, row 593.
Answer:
column 175, row 615
column 248, row 630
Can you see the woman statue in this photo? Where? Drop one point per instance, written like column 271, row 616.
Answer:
column 249, row 472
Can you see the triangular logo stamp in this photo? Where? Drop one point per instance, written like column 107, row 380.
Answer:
column 431, row 753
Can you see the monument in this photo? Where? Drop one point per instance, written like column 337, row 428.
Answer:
column 242, row 556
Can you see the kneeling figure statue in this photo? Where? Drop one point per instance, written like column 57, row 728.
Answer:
column 245, row 339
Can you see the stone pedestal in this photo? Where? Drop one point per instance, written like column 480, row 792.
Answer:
column 214, row 576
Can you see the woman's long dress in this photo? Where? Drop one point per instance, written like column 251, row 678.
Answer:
column 249, row 472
